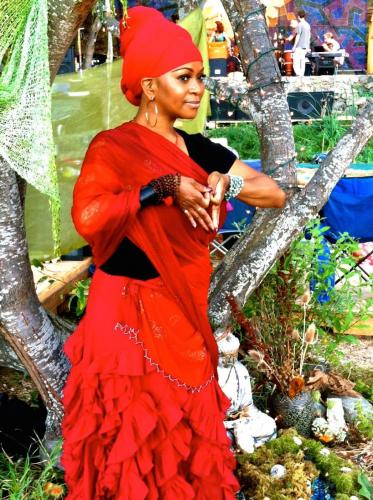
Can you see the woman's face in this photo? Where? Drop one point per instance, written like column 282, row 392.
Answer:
column 178, row 93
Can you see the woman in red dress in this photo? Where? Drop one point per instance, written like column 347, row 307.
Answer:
column 143, row 408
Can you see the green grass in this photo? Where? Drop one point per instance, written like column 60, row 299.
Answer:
column 31, row 479
column 310, row 138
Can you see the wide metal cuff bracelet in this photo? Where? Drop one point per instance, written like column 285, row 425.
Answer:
column 235, row 186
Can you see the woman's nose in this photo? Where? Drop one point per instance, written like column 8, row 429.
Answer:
column 195, row 87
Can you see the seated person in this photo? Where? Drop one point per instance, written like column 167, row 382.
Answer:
column 331, row 45
column 219, row 35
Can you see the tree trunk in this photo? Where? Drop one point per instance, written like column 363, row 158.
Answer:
column 65, row 18
column 271, row 233
column 269, row 107
column 91, row 41
column 24, row 323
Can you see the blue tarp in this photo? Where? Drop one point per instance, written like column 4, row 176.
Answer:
column 349, row 208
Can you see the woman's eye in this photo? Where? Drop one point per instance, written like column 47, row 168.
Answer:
column 202, row 77
column 184, row 78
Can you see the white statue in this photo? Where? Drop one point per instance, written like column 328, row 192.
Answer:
column 247, row 426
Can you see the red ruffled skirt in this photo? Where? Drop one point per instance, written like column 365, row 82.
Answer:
column 133, row 430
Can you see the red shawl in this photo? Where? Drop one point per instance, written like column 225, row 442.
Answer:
column 106, row 209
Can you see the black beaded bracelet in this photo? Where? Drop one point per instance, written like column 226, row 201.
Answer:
column 159, row 189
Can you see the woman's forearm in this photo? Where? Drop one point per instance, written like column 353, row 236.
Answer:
column 262, row 191
column 259, row 189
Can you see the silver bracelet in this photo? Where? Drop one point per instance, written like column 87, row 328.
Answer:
column 235, row 186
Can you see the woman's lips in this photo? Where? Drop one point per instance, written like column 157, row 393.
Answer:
column 193, row 104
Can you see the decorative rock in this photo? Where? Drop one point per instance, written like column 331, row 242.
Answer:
column 278, row 471
column 335, row 417
column 351, row 405
column 319, row 409
column 297, row 440
column 345, row 469
column 321, row 490
column 325, row 452
column 320, row 428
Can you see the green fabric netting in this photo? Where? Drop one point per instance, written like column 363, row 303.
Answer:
column 26, row 138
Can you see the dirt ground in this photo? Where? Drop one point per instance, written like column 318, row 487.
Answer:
column 360, row 354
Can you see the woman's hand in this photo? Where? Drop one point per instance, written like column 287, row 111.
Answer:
column 219, row 184
column 194, row 198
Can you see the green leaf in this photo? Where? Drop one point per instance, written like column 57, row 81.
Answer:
column 37, row 263
column 366, row 490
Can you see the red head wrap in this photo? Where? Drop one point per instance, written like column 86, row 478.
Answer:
column 151, row 46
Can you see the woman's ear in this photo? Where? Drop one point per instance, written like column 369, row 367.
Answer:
column 148, row 88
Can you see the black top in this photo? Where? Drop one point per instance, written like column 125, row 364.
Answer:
column 128, row 259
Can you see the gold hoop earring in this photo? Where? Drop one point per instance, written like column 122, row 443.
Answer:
column 151, row 125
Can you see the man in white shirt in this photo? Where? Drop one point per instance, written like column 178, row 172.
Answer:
column 301, row 44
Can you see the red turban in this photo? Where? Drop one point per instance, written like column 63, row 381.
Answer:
column 151, row 46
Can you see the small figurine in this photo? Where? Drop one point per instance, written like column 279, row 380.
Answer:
column 246, row 425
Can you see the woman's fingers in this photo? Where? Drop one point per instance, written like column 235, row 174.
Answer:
column 202, row 217
column 199, row 216
column 189, row 216
column 215, row 214
column 219, row 192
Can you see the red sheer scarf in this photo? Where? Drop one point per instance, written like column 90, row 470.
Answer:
column 106, row 209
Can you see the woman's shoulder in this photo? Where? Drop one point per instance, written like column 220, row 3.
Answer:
column 108, row 136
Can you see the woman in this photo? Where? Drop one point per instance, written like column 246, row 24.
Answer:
column 331, row 45
column 219, row 35
column 143, row 410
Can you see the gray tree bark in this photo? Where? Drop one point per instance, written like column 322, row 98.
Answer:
column 271, row 233
column 91, row 40
column 24, row 324
column 65, row 18
column 269, row 107
column 186, row 6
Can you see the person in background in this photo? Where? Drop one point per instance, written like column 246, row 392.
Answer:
column 289, row 40
column 219, row 35
column 233, row 61
column 331, row 45
column 301, row 44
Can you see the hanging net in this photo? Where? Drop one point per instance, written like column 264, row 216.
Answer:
column 26, row 140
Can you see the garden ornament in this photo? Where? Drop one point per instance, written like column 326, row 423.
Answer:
column 333, row 428
column 246, row 425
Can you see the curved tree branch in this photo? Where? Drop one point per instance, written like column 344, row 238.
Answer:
column 272, row 231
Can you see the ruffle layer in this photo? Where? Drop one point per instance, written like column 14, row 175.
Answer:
column 132, row 434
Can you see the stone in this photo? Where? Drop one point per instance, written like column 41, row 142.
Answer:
column 278, row 471
column 351, row 405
